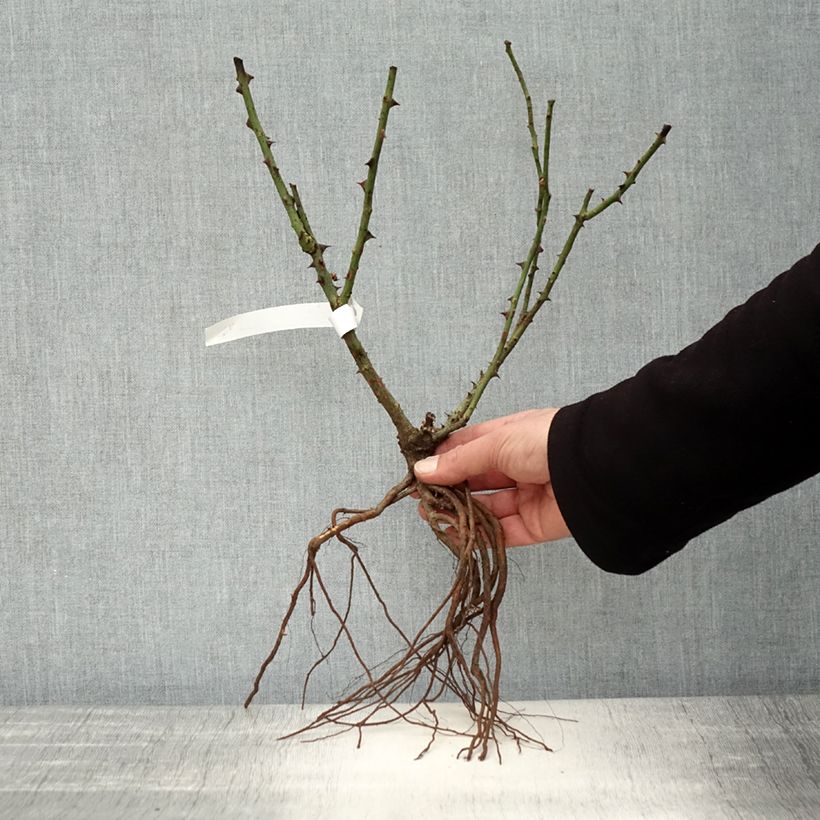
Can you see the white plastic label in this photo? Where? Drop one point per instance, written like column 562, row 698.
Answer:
column 287, row 317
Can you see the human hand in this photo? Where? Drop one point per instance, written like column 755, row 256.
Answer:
column 508, row 455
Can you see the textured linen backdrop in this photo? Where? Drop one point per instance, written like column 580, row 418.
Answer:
column 156, row 497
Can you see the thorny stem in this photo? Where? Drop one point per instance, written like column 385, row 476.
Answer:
column 367, row 185
column 528, row 101
column 544, row 199
column 407, row 432
column 307, row 241
column 509, row 335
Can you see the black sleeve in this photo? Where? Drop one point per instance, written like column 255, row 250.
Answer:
column 691, row 439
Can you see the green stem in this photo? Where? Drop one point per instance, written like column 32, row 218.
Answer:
column 526, row 319
column 368, row 185
column 307, row 241
column 461, row 415
column 408, row 434
column 528, row 101
column 544, row 201
column 631, row 176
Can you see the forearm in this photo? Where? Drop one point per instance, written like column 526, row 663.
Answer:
column 640, row 469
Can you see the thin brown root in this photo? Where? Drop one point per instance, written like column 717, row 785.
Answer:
column 460, row 656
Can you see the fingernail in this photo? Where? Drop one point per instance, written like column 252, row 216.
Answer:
column 426, row 465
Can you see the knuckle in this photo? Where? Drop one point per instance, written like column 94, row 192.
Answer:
column 454, row 459
column 500, row 451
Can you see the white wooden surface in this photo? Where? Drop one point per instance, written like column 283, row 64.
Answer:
column 654, row 758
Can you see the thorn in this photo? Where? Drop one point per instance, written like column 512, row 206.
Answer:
column 368, row 235
column 540, row 249
column 392, row 103
column 322, row 247
column 496, row 375
column 238, row 89
column 249, row 76
column 369, row 163
column 334, row 277
column 267, row 162
column 619, row 200
column 268, row 141
column 361, row 183
column 505, row 314
column 535, row 268
column 312, row 264
column 318, row 281
column 521, row 264
column 625, row 173
column 248, row 123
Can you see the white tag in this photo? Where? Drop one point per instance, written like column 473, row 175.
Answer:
column 287, row 317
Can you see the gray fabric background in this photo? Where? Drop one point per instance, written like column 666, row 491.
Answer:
column 156, row 496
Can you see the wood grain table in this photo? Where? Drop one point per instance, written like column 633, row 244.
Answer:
column 710, row 757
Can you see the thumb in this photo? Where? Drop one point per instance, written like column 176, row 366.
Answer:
column 457, row 465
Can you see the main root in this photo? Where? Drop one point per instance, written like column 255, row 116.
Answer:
column 457, row 650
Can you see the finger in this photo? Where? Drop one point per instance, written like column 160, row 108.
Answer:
column 500, row 504
column 475, row 431
column 491, row 480
column 465, row 461
column 516, row 533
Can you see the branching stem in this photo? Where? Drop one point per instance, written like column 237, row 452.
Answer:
column 407, row 432
column 510, row 335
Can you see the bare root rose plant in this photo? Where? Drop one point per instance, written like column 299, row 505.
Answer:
column 457, row 650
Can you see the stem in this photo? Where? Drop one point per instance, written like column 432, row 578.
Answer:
column 461, row 415
column 307, row 241
column 544, row 202
column 580, row 218
column 528, row 101
column 367, row 185
column 631, row 176
column 404, row 427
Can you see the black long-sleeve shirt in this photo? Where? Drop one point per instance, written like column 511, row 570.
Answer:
column 691, row 439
